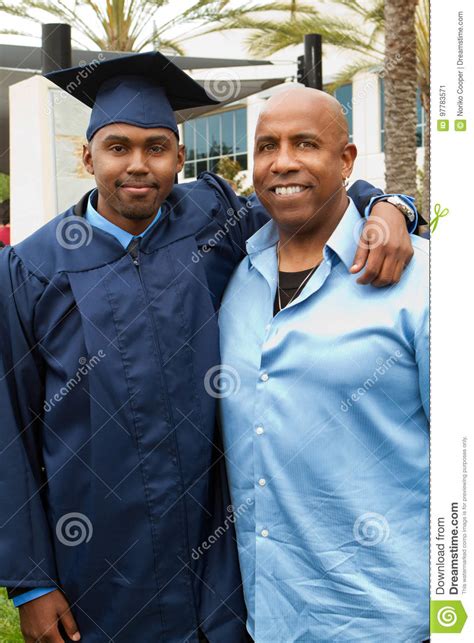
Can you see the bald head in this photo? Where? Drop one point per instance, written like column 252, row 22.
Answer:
column 321, row 109
column 302, row 158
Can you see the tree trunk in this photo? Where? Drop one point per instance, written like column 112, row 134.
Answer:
column 400, row 79
column 425, row 206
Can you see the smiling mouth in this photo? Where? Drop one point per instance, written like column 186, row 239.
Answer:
column 289, row 190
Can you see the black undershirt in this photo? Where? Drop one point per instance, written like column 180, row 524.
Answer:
column 289, row 284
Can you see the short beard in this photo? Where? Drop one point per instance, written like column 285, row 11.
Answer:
column 137, row 211
column 131, row 215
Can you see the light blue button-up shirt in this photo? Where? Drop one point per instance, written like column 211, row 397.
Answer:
column 124, row 237
column 325, row 429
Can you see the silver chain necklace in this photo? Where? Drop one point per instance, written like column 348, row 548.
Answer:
column 300, row 287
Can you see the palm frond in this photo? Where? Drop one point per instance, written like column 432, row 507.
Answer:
column 12, row 10
column 286, row 33
column 14, row 32
column 121, row 25
column 333, row 31
column 346, row 75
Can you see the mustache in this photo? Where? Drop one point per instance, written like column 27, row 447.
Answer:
column 137, row 184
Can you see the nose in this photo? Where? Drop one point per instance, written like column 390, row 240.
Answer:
column 138, row 162
column 285, row 161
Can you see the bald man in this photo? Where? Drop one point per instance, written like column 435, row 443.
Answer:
column 326, row 431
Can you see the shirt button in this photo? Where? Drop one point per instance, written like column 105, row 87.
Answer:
column 267, row 327
column 262, row 482
column 264, row 533
column 259, row 430
column 264, row 377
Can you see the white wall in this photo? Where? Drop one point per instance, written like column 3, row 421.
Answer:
column 47, row 131
column 32, row 196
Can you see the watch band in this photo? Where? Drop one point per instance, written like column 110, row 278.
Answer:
column 402, row 206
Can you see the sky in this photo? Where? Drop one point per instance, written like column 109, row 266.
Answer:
column 233, row 44
column 228, row 45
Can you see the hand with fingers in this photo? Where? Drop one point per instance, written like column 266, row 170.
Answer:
column 40, row 618
column 385, row 247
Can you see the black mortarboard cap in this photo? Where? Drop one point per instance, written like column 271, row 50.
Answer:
column 139, row 89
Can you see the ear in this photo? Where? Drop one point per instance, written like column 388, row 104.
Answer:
column 181, row 157
column 349, row 155
column 87, row 158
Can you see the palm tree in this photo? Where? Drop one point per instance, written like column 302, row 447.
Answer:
column 400, row 96
column 361, row 31
column 114, row 25
column 422, row 26
column 358, row 31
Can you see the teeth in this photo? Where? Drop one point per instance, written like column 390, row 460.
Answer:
column 292, row 189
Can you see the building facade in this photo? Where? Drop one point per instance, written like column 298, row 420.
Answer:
column 230, row 132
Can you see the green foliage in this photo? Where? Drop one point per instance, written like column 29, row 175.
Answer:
column 4, row 187
column 9, row 623
column 274, row 27
column 269, row 34
column 115, row 25
column 229, row 170
column 360, row 31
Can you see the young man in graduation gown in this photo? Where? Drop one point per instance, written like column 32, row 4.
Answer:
column 115, row 523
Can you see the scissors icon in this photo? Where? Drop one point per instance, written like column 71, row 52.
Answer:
column 439, row 214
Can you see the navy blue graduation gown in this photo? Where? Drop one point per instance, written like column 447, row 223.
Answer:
column 111, row 472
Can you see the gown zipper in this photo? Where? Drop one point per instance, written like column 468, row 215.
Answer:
column 134, row 251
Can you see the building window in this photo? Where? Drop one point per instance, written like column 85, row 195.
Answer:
column 344, row 95
column 210, row 138
column 420, row 119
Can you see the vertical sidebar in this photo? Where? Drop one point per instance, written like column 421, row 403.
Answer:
column 452, row 321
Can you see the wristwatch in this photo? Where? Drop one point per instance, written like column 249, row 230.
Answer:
column 402, row 206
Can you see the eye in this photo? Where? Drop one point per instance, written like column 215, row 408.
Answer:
column 117, row 148
column 157, row 149
column 267, row 147
column 307, row 145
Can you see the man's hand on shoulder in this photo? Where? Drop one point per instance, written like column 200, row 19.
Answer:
column 385, row 247
column 40, row 617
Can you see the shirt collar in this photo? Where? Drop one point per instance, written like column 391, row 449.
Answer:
column 97, row 220
column 343, row 241
column 345, row 238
